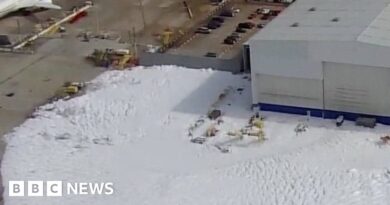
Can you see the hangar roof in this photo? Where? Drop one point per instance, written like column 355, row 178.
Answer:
column 342, row 20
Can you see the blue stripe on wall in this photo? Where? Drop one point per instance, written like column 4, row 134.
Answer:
column 328, row 114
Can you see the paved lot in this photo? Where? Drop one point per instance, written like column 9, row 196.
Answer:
column 119, row 17
column 34, row 78
column 200, row 44
column 30, row 80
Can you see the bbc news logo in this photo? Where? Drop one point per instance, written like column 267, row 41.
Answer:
column 57, row 188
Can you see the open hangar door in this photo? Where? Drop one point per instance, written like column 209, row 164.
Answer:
column 356, row 89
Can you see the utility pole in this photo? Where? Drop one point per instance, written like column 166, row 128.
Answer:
column 97, row 21
column 135, row 43
column 19, row 30
column 188, row 9
column 141, row 5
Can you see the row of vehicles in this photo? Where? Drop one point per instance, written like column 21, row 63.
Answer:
column 264, row 13
column 241, row 28
column 214, row 23
column 217, row 21
column 235, row 36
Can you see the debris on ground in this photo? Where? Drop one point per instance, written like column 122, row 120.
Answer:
column 73, row 88
column 301, row 127
column 209, row 122
column 198, row 140
column 222, row 97
column 102, row 141
column 214, row 114
column 211, row 131
column 222, row 149
column 197, row 124
column 366, row 122
column 10, row 94
column 385, row 139
column 339, row 121
column 254, row 128
column 240, row 90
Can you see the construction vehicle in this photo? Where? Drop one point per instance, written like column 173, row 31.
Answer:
column 167, row 37
column 114, row 58
column 72, row 88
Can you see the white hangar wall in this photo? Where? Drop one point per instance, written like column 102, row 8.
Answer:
column 357, row 88
column 335, row 76
column 284, row 73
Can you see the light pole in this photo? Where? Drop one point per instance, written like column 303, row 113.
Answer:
column 141, row 5
column 97, row 20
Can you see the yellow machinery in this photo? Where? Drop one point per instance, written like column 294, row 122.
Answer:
column 53, row 30
column 167, row 37
column 124, row 61
column 71, row 90
column 118, row 59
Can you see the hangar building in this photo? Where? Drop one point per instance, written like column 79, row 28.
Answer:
column 329, row 57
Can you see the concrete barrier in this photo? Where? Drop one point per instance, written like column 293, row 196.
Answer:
column 233, row 65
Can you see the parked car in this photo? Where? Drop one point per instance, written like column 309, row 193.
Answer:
column 252, row 16
column 235, row 34
column 240, row 30
column 218, row 19
column 211, row 54
column 231, row 38
column 227, row 13
column 228, row 41
column 258, row 11
column 216, row 2
column 235, row 11
column 266, row 11
column 260, row 25
column 234, row 37
column 213, row 25
column 247, row 25
column 203, row 30
column 264, row 17
column 274, row 13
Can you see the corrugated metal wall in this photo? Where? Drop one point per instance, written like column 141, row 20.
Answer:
column 289, row 91
column 327, row 78
column 357, row 88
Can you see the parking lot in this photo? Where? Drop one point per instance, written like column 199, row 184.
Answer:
column 122, row 17
column 200, row 44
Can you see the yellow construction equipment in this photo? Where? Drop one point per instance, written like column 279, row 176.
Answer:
column 53, row 30
column 167, row 37
column 118, row 59
column 124, row 61
column 71, row 90
column 258, row 123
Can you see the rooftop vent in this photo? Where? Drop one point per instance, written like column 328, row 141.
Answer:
column 336, row 19
column 296, row 24
column 312, row 9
